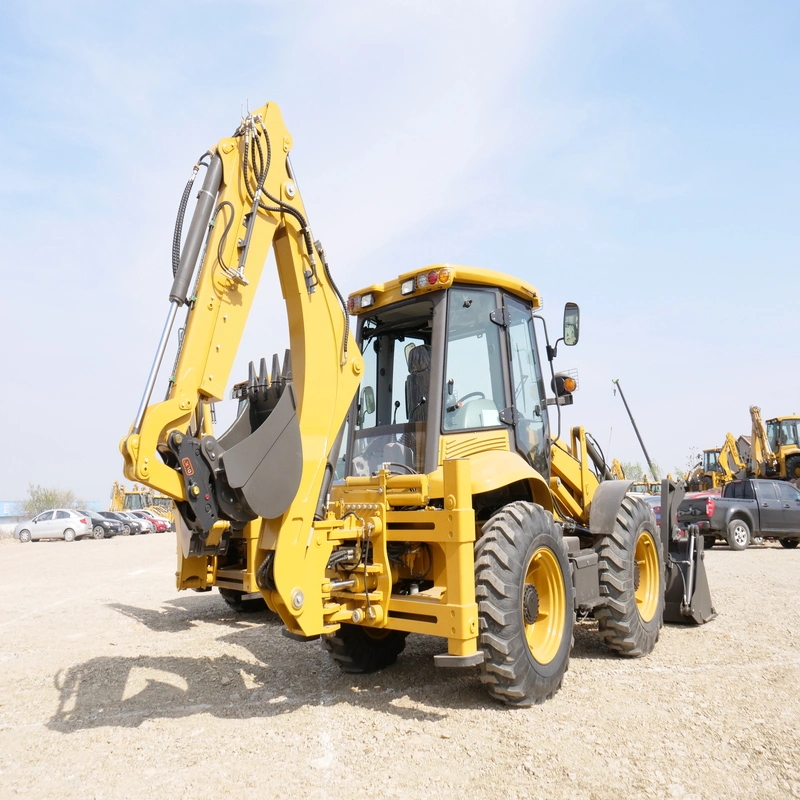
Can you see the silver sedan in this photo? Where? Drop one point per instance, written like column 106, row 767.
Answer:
column 59, row 523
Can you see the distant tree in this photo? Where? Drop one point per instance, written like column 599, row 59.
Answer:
column 40, row 498
column 633, row 471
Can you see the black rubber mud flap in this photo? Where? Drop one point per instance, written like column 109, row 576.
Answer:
column 267, row 466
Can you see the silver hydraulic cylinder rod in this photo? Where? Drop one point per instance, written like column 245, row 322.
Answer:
column 206, row 199
column 151, row 379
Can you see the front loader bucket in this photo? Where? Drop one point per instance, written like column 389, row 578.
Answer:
column 687, row 596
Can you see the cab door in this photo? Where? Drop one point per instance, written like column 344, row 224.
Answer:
column 527, row 387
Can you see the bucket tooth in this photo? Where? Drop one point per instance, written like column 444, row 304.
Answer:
column 286, row 372
column 276, row 370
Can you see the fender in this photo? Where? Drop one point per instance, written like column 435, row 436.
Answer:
column 741, row 513
column 606, row 501
column 492, row 469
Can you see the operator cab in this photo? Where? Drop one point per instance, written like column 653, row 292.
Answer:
column 449, row 370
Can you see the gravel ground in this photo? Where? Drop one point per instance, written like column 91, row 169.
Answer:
column 117, row 686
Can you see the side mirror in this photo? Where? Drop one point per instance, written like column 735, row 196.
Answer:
column 366, row 405
column 572, row 318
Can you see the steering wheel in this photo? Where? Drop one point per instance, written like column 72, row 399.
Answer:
column 472, row 396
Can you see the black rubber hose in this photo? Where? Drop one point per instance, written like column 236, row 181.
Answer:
column 176, row 239
column 206, row 201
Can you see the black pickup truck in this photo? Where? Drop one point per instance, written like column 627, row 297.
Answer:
column 745, row 510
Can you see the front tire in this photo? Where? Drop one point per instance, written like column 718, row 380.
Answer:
column 525, row 600
column 738, row 534
column 358, row 649
column 632, row 580
column 788, row 544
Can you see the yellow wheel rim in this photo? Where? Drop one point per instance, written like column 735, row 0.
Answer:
column 544, row 633
column 649, row 587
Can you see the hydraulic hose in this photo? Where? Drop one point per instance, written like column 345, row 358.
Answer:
column 597, row 458
column 176, row 238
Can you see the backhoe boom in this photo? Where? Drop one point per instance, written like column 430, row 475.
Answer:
column 276, row 467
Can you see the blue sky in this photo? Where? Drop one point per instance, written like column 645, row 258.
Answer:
column 639, row 158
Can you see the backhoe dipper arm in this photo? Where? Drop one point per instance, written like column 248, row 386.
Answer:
column 764, row 460
column 273, row 468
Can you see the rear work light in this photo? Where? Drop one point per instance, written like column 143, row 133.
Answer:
column 426, row 280
column 356, row 302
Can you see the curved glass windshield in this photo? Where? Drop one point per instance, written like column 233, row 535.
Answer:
column 392, row 408
column 134, row 502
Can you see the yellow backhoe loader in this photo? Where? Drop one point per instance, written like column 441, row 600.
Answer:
column 141, row 498
column 461, row 513
column 775, row 447
column 719, row 466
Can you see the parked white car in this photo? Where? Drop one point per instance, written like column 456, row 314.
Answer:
column 59, row 523
column 147, row 526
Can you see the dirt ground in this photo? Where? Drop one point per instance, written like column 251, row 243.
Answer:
column 117, row 686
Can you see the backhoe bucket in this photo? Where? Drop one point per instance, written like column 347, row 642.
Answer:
column 687, row 597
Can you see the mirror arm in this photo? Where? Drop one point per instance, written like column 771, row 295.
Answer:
column 552, row 352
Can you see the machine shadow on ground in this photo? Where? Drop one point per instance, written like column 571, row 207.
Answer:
column 279, row 677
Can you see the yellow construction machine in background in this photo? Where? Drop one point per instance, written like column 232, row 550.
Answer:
column 402, row 478
column 719, row 466
column 775, row 446
column 141, row 498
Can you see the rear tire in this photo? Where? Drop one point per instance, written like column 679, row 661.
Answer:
column 632, row 581
column 738, row 534
column 525, row 596
column 793, row 468
column 69, row 535
column 709, row 541
column 358, row 649
column 24, row 536
column 251, row 605
column 98, row 532
column 788, row 544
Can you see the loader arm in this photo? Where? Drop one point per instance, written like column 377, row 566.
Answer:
column 268, row 475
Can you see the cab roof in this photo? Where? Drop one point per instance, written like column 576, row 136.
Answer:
column 438, row 277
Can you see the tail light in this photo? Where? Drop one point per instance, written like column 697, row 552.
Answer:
column 83, row 520
column 709, row 507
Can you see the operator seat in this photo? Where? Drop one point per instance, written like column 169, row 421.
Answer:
column 418, row 383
